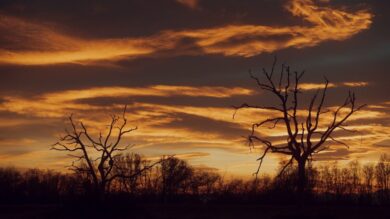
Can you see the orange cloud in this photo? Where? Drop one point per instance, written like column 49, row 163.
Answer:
column 8, row 122
column 22, row 141
column 193, row 4
column 316, row 86
column 58, row 104
column 157, row 90
column 47, row 45
column 356, row 84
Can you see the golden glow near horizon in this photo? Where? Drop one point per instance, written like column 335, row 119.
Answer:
column 153, row 120
column 56, row 47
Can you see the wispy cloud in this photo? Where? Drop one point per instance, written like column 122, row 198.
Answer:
column 37, row 44
column 58, row 104
column 316, row 86
column 193, row 4
column 356, row 84
column 156, row 90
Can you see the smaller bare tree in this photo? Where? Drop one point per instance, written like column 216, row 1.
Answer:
column 96, row 157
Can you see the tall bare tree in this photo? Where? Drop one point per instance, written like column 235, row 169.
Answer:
column 96, row 157
column 304, row 137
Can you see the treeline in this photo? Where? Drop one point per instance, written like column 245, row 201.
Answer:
column 175, row 180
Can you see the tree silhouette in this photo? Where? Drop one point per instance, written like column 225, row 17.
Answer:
column 132, row 165
column 176, row 176
column 368, row 176
column 382, row 172
column 304, row 137
column 97, row 157
column 175, row 180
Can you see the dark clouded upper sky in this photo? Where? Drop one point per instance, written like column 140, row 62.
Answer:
column 180, row 65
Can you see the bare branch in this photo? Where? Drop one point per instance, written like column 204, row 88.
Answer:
column 289, row 163
column 260, row 159
column 245, row 105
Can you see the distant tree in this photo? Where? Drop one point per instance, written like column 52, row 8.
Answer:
column 355, row 171
column 204, row 182
column 368, row 176
column 326, row 179
column 10, row 179
column 175, row 176
column 337, row 177
column 304, row 137
column 131, row 164
column 95, row 157
column 234, row 186
column 382, row 172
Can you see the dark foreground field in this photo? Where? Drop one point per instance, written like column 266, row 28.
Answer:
column 197, row 211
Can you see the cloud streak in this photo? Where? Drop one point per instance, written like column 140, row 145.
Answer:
column 38, row 44
column 316, row 86
column 56, row 104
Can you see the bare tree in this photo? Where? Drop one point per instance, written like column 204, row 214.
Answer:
column 355, row 172
column 304, row 138
column 176, row 175
column 131, row 164
column 204, row 181
column 368, row 174
column 382, row 173
column 96, row 157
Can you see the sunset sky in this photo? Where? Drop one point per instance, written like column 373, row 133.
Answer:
column 180, row 66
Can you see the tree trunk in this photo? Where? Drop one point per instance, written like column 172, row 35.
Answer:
column 101, row 192
column 302, row 177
